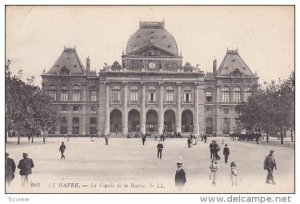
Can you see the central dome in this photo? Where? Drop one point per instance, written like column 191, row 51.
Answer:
column 152, row 34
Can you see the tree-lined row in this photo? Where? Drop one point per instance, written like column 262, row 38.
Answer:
column 272, row 108
column 28, row 109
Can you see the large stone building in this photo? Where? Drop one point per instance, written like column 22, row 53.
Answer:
column 150, row 91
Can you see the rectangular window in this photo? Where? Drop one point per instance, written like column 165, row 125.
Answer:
column 226, row 110
column 64, row 109
column 63, row 120
column 209, row 96
column 63, row 130
column 226, row 97
column 75, row 121
column 170, row 96
column 93, row 109
column 51, row 130
column 133, row 96
column 226, row 125
column 237, row 97
column 208, row 110
column 64, row 96
column 93, row 96
column 151, row 96
column 93, row 130
column 116, row 95
column 75, row 109
column 52, row 94
column 209, row 125
column 76, row 96
column 75, row 130
column 187, row 97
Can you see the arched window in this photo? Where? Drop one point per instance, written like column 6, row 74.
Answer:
column 52, row 92
column 76, row 93
column 152, row 94
column 248, row 93
column 133, row 93
column 187, row 94
column 237, row 92
column 116, row 93
column 225, row 94
column 169, row 94
column 64, row 93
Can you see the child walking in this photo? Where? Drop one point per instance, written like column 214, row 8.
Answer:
column 213, row 171
column 233, row 174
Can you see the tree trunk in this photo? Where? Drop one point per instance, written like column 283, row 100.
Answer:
column 267, row 137
column 18, row 138
column 32, row 137
column 292, row 138
column 281, row 136
column 44, row 139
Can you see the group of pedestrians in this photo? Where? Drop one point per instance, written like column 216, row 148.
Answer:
column 25, row 165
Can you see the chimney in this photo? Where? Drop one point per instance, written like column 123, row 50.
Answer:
column 215, row 67
column 88, row 64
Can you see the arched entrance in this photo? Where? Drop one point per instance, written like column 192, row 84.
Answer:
column 187, row 124
column 116, row 121
column 169, row 121
column 134, row 121
column 151, row 121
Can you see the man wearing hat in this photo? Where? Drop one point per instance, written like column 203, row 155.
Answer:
column 25, row 165
column 62, row 149
column 269, row 165
column 160, row 147
column 10, row 169
column 180, row 179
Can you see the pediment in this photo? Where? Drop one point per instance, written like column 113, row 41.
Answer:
column 153, row 51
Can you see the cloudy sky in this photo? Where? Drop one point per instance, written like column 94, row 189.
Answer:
column 264, row 35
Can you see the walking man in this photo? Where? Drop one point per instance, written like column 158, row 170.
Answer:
column 180, row 179
column 269, row 165
column 144, row 139
column 160, row 147
column 25, row 165
column 10, row 169
column 211, row 149
column 106, row 140
column 189, row 141
column 226, row 153
column 62, row 149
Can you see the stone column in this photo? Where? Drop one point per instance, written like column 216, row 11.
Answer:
column 70, row 122
column 196, row 114
column 178, row 110
column 161, row 109
column 107, row 111
column 143, row 109
column 125, row 109
column 83, row 99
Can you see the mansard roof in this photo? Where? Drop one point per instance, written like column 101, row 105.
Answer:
column 67, row 63
column 233, row 64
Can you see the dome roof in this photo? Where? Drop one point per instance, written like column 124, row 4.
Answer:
column 152, row 34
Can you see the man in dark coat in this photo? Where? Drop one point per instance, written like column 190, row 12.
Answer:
column 25, row 165
column 216, row 150
column 269, row 165
column 226, row 152
column 106, row 140
column 62, row 149
column 10, row 169
column 211, row 149
column 189, row 141
column 160, row 147
column 144, row 139
column 180, row 179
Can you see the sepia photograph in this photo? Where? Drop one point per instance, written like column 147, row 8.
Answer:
column 149, row 99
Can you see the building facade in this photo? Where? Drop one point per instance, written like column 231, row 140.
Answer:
column 151, row 91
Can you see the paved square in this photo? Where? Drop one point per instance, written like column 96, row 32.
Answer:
column 126, row 166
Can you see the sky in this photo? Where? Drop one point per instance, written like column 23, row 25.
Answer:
column 263, row 35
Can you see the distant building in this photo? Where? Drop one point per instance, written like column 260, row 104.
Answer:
column 151, row 91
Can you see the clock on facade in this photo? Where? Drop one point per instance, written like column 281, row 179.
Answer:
column 151, row 65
